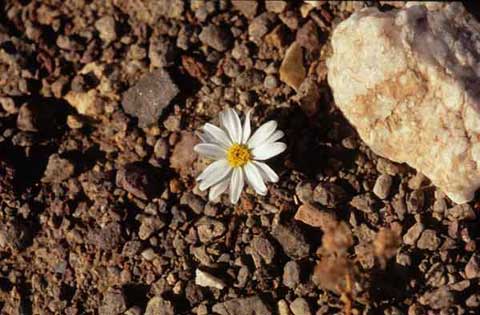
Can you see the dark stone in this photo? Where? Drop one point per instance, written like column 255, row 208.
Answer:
column 147, row 99
column 264, row 248
column 329, row 194
column 249, row 79
column 138, row 181
column 108, row 237
column 194, row 202
column 292, row 240
column 307, row 36
column 216, row 37
column 15, row 235
column 33, row 118
column 7, row 176
column 194, row 293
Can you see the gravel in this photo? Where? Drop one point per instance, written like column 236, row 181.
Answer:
column 100, row 211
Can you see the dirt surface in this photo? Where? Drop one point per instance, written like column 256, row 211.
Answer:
column 99, row 210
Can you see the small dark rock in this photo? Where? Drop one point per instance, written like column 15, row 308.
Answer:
column 7, row 177
column 137, row 180
column 161, row 52
column 147, row 99
column 34, row 118
column 194, row 202
column 415, row 201
column 329, row 194
column 309, row 97
column 250, row 79
column 216, row 37
column 292, row 240
column 264, row 248
column 194, row 293
column 15, row 235
column 106, row 238
column 131, row 248
column 307, row 36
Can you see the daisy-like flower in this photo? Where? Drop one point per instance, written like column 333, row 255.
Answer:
column 238, row 155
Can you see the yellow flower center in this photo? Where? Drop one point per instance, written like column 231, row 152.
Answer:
column 238, row 155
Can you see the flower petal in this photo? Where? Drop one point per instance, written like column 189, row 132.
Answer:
column 236, row 184
column 266, row 171
column 211, row 150
column 214, row 173
column 247, row 129
column 255, row 178
column 277, row 135
column 218, row 189
column 204, row 137
column 262, row 134
column 231, row 123
column 268, row 150
column 217, row 134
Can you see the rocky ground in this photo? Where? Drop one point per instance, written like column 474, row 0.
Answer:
column 99, row 212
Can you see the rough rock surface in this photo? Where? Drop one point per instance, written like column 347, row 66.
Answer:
column 408, row 81
column 150, row 96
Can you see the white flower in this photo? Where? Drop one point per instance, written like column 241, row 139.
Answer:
column 238, row 156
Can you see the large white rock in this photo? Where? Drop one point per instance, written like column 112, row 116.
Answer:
column 408, row 80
